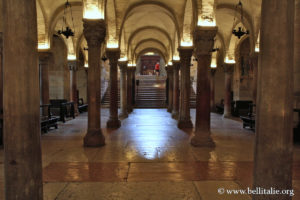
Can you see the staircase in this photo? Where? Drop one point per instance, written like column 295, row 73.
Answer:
column 151, row 92
column 106, row 98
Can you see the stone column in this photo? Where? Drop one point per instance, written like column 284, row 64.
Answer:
column 167, row 87
column 228, row 69
column 94, row 32
column 175, row 111
column 296, row 54
column 1, row 72
column 133, row 86
column 212, row 87
column 73, row 73
column 185, row 87
column 273, row 155
column 254, row 63
column 123, row 89
column 204, row 42
column 22, row 134
column 129, row 89
column 171, row 80
column 113, row 55
column 44, row 61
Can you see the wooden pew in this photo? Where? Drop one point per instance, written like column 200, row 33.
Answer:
column 249, row 119
column 62, row 108
column 82, row 107
column 47, row 119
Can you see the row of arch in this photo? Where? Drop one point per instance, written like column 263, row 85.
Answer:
column 135, row 35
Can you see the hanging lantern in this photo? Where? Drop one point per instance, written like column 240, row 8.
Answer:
column 66, row 30
column 240, row 32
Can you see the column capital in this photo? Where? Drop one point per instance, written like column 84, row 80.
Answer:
column 185, row 53
column 72, row 64
column 204, row 40
column 213, row 71
column 176, row 65
column 94, row 31
column 123, row 66
column 113, row 54
column 44, row 56
column 228, row 67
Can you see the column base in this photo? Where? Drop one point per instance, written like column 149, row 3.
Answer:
column 185, row 124
column 123, row 115
column 175, row 115
column 113, row 123
column 226, row 115
column 94, row 138
column 170, row 110
column 130, row 110
column 200, row 141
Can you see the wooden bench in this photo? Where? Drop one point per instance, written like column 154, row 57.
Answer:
column 62, row 108
column 81, row 106
column 240, row 108
column 47, row 120
column 249, row 119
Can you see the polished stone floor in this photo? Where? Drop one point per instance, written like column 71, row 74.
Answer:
column 148, row 158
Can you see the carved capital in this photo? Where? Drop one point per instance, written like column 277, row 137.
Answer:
column 113, row 55
column 213, row 71
column 204, row 38
column 72, row 65
column 185, row 54
column 94, row 31
column 176, row 65
column 228, row 68
column 44, row 57
column 123, row 66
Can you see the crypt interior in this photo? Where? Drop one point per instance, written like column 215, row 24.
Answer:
column 84, row 113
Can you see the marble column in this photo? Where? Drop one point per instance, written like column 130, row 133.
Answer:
column 228, row 69
column 171, row 80
column 1, row 72
column 133, row 86
column 184, row 120
column 175, row 111
column 129, row 89
column 167, row 86
column 204, row 42
column 296, row 54
column 113, row 55
column 73, row 73
column 254, row 62
column 44, row 62
column 94, row 32
column 273, row 154
column 212, row 87
column 22, row 134
column 123, row 89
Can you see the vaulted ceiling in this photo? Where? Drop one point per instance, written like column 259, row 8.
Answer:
column 140, row 26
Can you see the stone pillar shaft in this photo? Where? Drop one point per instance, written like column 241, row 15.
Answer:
column 254, row 63
column 228, row 68
column 296, row 54
column 171, row 82
column 73, row 72
column 274, row 120
column 129, row 90
column 113, row 55
column 185, row 87
column 212, row 91
column 133, row 86
column 1, row 72
column 44, row 60
column 175, row 111
column 204, row 42
column 123, row 89
column 94, row 32
column 22, row 134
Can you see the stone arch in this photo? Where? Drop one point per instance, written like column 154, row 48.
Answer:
column 111, row 19
column 43, row 37
column 188, row 21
